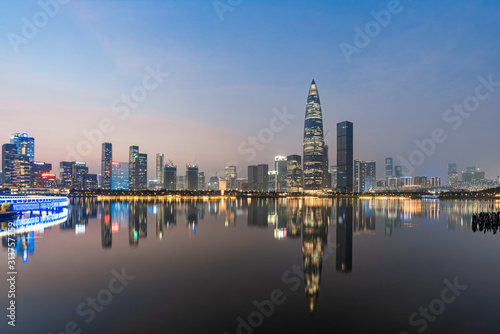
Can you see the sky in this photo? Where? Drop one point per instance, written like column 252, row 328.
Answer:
column 226, row 82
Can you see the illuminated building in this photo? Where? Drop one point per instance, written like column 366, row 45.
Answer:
column 452, row 174
column 345, row 146
column 294, row 173
column 364, row 175
column 252, row 177
column 222, row 183
column 420, row 181
column 230, row 176
column 280, row 166
column 142, row 171
column 25, row 145
column 133, row 156
column 170, row 177
column 435, row 182
column 160, row 161
column 37, row 169
column 21, row 166
column 327, row 176
column 313, row 170
column 213, row 183
column 201, row 181
column 398, row 171
column 90, row 182
column 106, row 170
column 389, row 168
column 262, row 177
column 472, row 174
column 334, row 173
column 180, row 183
column 272, row 180
column 78, row 171
column 9, row 153
column 119, row 175
column 191, row 177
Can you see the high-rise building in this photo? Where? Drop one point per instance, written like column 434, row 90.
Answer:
column 90, row 182
column 170, row 177
column 119, row 176
column 294, row 173
column 21, row 170
column 180, row 183
column 78, row 171
column 25, row 145
column 334, row 172
column 452, row 174
column 191, row 177
column 66, row 174
column 435, row 181
column 106, row 170
column 272, row 180
column 201, row 181
column 133, row 156
column 9, row 153
column 472, row 174
column 262, row 177
column 388, row 168
column 38, row 169
column 313, row 145
column 420, row 181
column 160, row 162
column 230, row 176
column 142, row 171
column 327, row 176
column 345, row 148
column 364, row 176
column 398, row 171
column 138, row 169
column 280, row 166
column 252, row 177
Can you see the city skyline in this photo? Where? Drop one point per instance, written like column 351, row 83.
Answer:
column 389, row 85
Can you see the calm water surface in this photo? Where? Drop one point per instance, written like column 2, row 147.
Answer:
column 260, row 266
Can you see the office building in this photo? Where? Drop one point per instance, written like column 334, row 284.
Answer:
column 230, row 176
column 313, row 145
column 170, row 177
column 39, row 168
column 119, row 175
column 25, row 145
column 473, row 174
column 202, row 185
column 334, row 173
column 398, row 171
column 294, row 173
column 252, row 177
column 272, row 180
column 160, row 162
column 280, row 166
column 262, row 177
column 452, row 174
column 389, row 172
column 142, row 171
column 9, row 153
column 364, row 176
column 191, row 177
column 345, row 163
column 106, row 170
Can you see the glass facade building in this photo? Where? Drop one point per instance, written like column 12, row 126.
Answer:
column 25, row 145
column 119, row 175
column 106, row 158
column 345, row 147
column 314, row 150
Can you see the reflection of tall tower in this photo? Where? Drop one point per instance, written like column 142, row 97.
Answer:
column 258, row 212
column 313, row 142
column 344, row 235
column 106, row 236
column 230, row 215
column 315, row 231
column 160, row 220
column 133, row 224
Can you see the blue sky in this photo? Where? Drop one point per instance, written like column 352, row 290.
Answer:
column 227, row 76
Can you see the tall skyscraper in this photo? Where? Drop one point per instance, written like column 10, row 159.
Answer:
column 327, row 176
column 133, row 156
column 119, row 176
column 230, row 176
column 38, row 169
column 142, row 171
column 280, row 166
column 452, row 174
column 398, row 171
column 252, row 177
column 170, row 176
column 313, row 142
column 345, row 148
column 364, row 175
column 191, row 179
column 9, row 153
column 294, row 173
column 334, row 171
column 25, row 145
column 106, row 170
column 160, row 162
column 388, row 168
column 138, row 169
column 262, row 177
